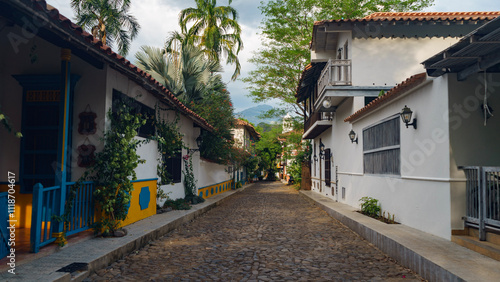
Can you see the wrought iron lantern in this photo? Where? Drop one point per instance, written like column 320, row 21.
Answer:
column 321, row 149
column 353, row 137
column 315, row 158
column 406, row 117
column 198, row 143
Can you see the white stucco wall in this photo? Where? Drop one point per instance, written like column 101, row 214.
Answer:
column 467, row 127
column 89, row 91
column 388, row 61
column 212, row 173
column 422, row 196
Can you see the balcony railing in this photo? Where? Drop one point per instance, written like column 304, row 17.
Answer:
column 336, row 72
column 316, row 116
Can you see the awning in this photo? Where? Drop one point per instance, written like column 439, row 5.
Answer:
column 308, row 80
column 476, row 52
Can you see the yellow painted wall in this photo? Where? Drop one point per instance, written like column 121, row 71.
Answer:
column 23, row 206
column 135, row 213
column 212, row 190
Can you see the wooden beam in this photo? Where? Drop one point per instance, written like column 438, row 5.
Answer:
column 485, row 63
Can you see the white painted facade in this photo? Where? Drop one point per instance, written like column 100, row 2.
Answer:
column 429, row 193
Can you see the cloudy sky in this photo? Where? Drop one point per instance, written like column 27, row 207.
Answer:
column 159, row 17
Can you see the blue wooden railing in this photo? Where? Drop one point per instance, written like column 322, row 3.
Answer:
column 49, row 202
column 46, row 204
column 82, row 212
column 4, row 232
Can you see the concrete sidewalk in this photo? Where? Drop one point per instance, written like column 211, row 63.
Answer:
column 98, row 253
column 432, row 257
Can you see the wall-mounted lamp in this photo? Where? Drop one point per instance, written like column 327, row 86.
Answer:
column 353, row 137
column 198, row 143
column 406, row 117
column 321, row 149
column 315, row 158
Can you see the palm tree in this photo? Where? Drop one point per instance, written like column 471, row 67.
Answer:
column 215, row 30
column 187, row 73
column 108, row 20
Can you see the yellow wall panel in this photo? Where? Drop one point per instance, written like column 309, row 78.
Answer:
column 136, row 212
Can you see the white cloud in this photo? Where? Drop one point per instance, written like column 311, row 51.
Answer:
column 159, row 17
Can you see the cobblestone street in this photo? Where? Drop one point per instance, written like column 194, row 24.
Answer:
column 267, row 233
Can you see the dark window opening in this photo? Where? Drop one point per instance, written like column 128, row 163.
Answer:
column 328, row 168
column 368, row 100
column 145, row 130
column 174, row 167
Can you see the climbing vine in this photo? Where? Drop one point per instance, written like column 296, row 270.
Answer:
column 169, row 141
column 114, row 167
column 189, row 180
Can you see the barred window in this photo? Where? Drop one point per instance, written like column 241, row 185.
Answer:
column 381, row 147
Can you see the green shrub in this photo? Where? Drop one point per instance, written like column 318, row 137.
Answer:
column 370, row 206
column 179, row 204
column 194, row 199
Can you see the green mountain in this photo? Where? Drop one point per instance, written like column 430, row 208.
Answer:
column 252, row 114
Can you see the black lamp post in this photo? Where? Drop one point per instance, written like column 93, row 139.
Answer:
column 353, row 137
column 406, row 117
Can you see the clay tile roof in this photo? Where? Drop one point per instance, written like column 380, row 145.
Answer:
column 398, row 90
column 428, row 16
column 107, row 52
column 419, row 16
column 250, row 127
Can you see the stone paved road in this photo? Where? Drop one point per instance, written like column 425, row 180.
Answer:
column 266, row 232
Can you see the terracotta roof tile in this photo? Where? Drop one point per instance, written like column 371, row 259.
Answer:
column 247, row 124
column 419, row 16
column 399, row 89
column 63, row 21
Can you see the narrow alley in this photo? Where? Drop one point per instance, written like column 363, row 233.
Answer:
column 265, row 233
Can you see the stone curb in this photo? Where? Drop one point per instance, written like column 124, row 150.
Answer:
column 432, row 257
column 98, row 253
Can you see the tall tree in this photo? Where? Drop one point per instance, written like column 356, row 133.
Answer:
column 215, row 29
column 108, row 20
column 287, row 30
